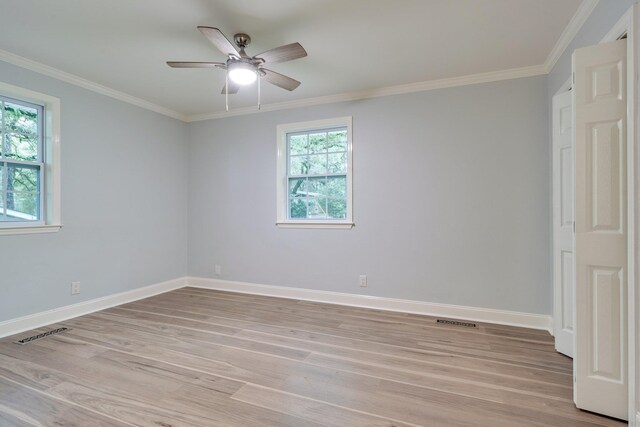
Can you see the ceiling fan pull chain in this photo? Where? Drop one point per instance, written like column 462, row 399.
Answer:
column 226, row 91
column 259, row 91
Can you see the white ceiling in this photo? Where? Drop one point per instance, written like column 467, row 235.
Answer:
column 353, row 45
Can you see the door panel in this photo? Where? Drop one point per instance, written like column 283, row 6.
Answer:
column 601, row 236
column 563, row 259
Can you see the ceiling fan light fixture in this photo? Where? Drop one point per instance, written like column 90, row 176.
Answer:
column 242, row 73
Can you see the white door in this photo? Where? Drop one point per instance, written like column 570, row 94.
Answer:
column 600, row 360
column 563, row 261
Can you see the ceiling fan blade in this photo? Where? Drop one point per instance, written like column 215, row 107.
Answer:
column 218, row 39
column 183, row 64
column 283, row 53
column 233, row 88
column 279, row 80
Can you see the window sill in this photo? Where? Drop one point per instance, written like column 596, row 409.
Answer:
column 30, row 229
column 315, row 224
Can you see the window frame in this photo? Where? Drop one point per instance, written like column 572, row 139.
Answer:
column 282, row 195
column 49, row 159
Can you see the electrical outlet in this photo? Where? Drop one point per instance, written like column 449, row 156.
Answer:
column 218, row 270
column 75, row 288
column 363, row 281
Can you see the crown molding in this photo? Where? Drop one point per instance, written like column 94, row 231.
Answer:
column 575, row 24
column 493, row 76
column 55, row 73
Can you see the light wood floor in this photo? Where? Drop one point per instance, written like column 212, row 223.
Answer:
column 196, row 357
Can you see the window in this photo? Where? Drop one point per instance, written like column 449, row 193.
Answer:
column 21, row 161
column 29, row 152
column 314, row 174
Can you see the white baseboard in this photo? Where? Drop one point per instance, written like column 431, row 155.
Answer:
column 502, row 317
column 25, row 323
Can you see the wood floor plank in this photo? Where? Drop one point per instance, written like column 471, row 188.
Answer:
column 233, row 412
column 200, row 357
column 74, row 348
column 311, row 410
column 28, row 374
column 21, row 404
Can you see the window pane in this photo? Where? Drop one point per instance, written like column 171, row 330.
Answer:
column 317, row 207
column 297, row 187
column 317, row 164
column 1, row 178
column 298, row 144
column 3, row 217
column 21, row 119
column 298, row 208
column 337, row 208
column 23, row 178
column 298, row 165
column 317, row 142
column 337, row 140
column 337, row 187
column 317, row 187
column 337, row 162
column 22, row 206
column 21, row 147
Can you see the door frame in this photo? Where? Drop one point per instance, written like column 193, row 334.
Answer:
column 627, row 25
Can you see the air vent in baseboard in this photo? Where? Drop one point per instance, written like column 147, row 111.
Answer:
column 456, row 323
column 42, row 335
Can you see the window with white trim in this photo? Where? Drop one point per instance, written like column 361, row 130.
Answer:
column 314, row 173
column 29, row 161
column 21, row 161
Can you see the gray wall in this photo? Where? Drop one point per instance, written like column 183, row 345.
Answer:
column 451, row 200
column 123, row 204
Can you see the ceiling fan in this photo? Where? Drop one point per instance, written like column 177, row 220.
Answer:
column 243, row 69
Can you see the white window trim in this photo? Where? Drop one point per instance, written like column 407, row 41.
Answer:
column 281, row 186
column 51, row 150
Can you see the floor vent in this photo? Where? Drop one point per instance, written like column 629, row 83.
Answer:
column 456, row 323
column 42, row 335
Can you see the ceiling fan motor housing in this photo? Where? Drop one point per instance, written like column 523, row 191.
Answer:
column 242, row 40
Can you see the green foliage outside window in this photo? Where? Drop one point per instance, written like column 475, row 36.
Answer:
column 318, row 175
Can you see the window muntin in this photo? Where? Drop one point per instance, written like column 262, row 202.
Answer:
column 21, row 161
column 314, row 173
